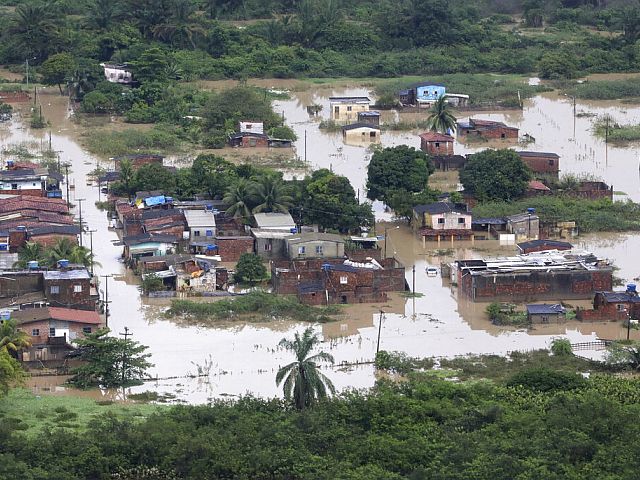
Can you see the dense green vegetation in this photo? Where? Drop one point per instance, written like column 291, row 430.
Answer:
column 254, row 306
column 537, row 418
column 607, row 90
column 590, row 216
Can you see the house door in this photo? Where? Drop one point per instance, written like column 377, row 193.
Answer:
column 336, row 111
column 343, row 299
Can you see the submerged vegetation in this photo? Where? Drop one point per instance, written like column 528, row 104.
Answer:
column 589, row 215
column 255, row 306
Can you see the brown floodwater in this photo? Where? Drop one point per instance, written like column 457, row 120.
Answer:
column 237, row 358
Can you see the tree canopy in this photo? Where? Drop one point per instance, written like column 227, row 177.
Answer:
column 495, row 175
column 397, row 168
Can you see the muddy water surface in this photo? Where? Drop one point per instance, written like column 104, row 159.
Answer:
column 239, row 358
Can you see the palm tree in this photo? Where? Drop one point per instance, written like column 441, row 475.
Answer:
column 34, row 27
column 103, row 14
column 302, row 381
column 270, row 196
column 441, row 119
column 239, row 198
column 30, row 251
column 62, row 249
column 12, row 339
column 181, row 26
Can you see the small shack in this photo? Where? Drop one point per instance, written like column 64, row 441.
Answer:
column 361, row 132
column 546, row 313
column 435, row 143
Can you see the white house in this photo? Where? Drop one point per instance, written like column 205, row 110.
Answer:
column 201, row 225
column 274, row 221
column 117, row 73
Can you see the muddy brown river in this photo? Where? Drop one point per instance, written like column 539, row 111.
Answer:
column 244, row 358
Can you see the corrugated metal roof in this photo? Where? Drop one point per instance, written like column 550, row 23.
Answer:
column 274, row 220
column 200, row 218
column 545, row 309
column 77, row 274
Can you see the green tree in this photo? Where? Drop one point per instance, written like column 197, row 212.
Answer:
column 558, row 64
column 110, row 361
column 227, row 108
column 250, row 269
column 65, row 249
column 30, row 252
column 180, row 29
column 269, row 195
column 127, row 176
column 624, row 354
column 151, row 283
column 239, row 199
column 58, row 69
column 561, row 347
column 34, row 30
column 397, row 168
column 154, row 177
column 330, row 201
column 151, row 66
column 440, row 117
column 495, row 175
column 104, row 14
column 303, row 381
column 10, row 371
column 12, row 339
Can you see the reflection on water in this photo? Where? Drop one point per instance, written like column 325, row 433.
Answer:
column 245, row 358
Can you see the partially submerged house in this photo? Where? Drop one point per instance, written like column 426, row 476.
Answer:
column 525, row 226
column 201, row 225
column 532, row 246
column 442, row 220
column 148, row 245
column 435, row 143
column 543, row 164
column 488, row 129
column 361, row 132
column 372, row 117
column 422, row 94
column 38, row 182
column 573, row 274
column 270, row 244
column 329, row 281
column 346, row 109
column 69, row 288
column 609, row 306
column 546, row 313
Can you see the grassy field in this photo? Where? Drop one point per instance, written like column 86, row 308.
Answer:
column 32, row 413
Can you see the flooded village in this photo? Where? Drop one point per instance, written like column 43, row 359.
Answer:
column 421, row 287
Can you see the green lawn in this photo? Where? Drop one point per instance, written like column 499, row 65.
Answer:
column 32, row 413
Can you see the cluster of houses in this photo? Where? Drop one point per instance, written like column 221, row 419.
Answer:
column 193, row 246
column 54, row 306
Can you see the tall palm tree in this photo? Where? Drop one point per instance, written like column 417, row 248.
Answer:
column 441, row 119
column 181, row 28
column 34, row 28
column 239, row 198
column 103, row 14
column 30, row 251
column 270, row 196
column 12, row 339
column 302, row 380
column 62, row 249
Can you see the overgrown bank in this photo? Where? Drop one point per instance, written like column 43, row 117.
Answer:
column 424, row 428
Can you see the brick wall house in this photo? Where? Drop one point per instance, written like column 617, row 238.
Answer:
column 230, row 248
column 487, row 129
column 434, row 143
column 69, row 288
column 543, row 163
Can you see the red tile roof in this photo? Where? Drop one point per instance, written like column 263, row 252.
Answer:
column 72, row 315
column 436, row 137
column 536, row 185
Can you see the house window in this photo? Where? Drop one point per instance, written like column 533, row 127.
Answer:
column 441, row 220
column 54, row 289
column 502, row 135
column 267, row 247
column 551, row 163
column 301, row 250
column 77, row 289
column 52, row 331
column 343, row 280
column 372, row 134
column 620, row 307
column 209, row 233
column 318, row 249
column 461, row 220
column 14, row 186
column 35, row 332
column 196, row 233
column 349, row 109
column 86, row 330
column 437, row 144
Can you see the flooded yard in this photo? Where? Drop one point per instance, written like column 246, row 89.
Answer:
column 238, row 358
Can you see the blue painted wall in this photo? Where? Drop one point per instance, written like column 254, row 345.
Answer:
column 429, row 93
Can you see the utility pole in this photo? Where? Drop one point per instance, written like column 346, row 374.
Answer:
column 126, row 334
column 379, row 331
column 413, row 270
column 106, row 298
column 80, row 200
column 91, row 232
column 305, row 146
column 574, row 117
column 66, row 170
column 27, row 60
column 628, row 325
column 606, row 142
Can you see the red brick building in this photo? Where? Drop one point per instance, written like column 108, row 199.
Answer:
column 487, row 129
column 612, row 306
column 69, row 288
column 543, row 245
column 322, row 281
column 230, row 248
column 42, row 324
column 434, row 143
column 542, row 163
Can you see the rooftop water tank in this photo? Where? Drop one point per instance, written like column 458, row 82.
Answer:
column 208, row 207
column 63, row 263
column 531, row 211
column 5, row 315
column 212, row 247
column 33, row 265
column 631, row 287
column 294, row 230
column 10, row 163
